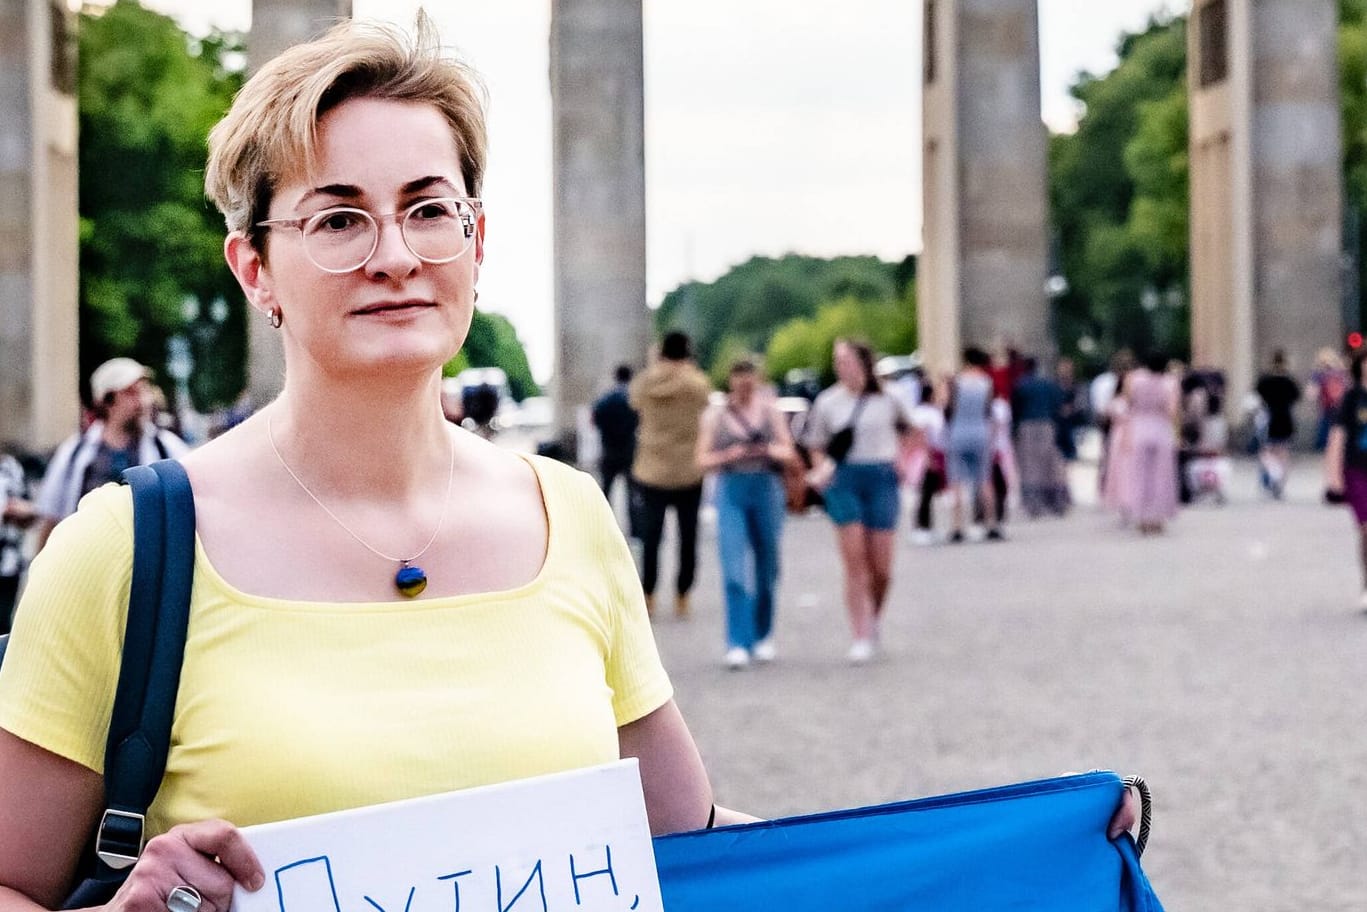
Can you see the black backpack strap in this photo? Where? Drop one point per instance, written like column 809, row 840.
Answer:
column 858, row 409
column 153, row 650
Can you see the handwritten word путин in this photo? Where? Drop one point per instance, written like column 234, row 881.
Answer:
column 309, row 885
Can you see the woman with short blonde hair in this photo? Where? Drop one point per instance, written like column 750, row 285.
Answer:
column 384, row 606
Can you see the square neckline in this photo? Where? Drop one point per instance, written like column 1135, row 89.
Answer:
column 205, row 566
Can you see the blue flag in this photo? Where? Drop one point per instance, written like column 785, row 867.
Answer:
column 1037, row 846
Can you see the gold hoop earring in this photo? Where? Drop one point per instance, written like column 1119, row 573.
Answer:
column 276, row 317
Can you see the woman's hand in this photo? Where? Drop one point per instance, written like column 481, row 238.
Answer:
column 736, row 452
column 184, row 856
column 1125, row 815
column 779, row 453
column 1122, row 821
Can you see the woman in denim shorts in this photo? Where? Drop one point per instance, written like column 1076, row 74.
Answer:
column 862, row 499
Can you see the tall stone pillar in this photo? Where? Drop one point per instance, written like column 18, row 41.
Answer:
column 1266, row 183
column 39, row 365
column 598, row 106
column 276, row 25
column 984, row 259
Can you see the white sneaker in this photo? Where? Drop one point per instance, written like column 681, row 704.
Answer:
column 736, row 658
column 861, row 651
column 922, row 537
column 976, row 533
column 764, row 651
column 1362, row 600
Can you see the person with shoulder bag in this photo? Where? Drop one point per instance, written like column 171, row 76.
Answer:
column 367, row 621
column 746, row 443
column 855, row 433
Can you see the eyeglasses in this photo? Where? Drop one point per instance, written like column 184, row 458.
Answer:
column 343, row 239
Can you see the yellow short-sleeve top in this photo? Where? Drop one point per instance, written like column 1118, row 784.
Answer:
column 290, row 708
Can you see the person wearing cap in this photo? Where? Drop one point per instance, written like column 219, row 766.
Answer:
column 122, row 435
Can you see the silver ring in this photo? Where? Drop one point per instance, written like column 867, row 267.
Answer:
column 184, row 898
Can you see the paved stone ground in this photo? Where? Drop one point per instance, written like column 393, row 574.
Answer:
column 1223, row 661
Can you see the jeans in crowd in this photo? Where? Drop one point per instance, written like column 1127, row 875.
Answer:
column 749, row 522
column 649, row 504
column 932, row 483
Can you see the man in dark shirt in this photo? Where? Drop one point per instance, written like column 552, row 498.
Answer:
column 616, row 421
column 1279, row 393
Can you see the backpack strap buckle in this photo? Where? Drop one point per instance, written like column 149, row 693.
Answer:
column 118, row 841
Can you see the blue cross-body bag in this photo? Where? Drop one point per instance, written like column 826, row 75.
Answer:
column 149, row 675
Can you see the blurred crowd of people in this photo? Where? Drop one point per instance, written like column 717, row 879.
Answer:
column 966, row 451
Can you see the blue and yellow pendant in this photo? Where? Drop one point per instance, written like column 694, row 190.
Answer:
column 411, row 581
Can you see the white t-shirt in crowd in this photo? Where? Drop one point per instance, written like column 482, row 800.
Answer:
column 930, row 421
column 875, row 432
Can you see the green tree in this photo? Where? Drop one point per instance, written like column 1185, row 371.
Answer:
column 148, row 95
column 729, row 350
column 493, row 342
column 1118, row 194
column 742, row 309
column 1352, row 47
column 889, row 326
column 1157, row 161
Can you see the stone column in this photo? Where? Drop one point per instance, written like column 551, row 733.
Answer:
column 1266, row 184
column 39, row 365
column 276, row 25
column 598, row 105
column 985, row 252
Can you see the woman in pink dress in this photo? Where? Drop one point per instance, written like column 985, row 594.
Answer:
column 1115, row 486
column 1154, row 398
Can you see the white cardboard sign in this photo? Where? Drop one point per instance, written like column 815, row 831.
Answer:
column 570, row 842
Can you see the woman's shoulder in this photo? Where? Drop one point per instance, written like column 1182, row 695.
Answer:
column 971, row 379
column 581, row 521
column 226, row 458
column 105, row 513
column 569, row 494
column 830, row 396
column 555, row 475
column 92, row 546
column 85, row 567
column 715, row 410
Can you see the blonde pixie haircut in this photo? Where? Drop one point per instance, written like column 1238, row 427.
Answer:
column 271, row 130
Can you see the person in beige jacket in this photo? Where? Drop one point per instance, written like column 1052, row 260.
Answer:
column 670, row 396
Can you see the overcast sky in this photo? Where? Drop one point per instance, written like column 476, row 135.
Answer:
column 772, row 126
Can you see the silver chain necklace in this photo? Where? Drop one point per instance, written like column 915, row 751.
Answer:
column 410, row 580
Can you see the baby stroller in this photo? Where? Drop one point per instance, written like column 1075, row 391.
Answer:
column 1206, row 436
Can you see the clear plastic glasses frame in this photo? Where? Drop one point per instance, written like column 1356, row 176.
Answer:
column 342, row 239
